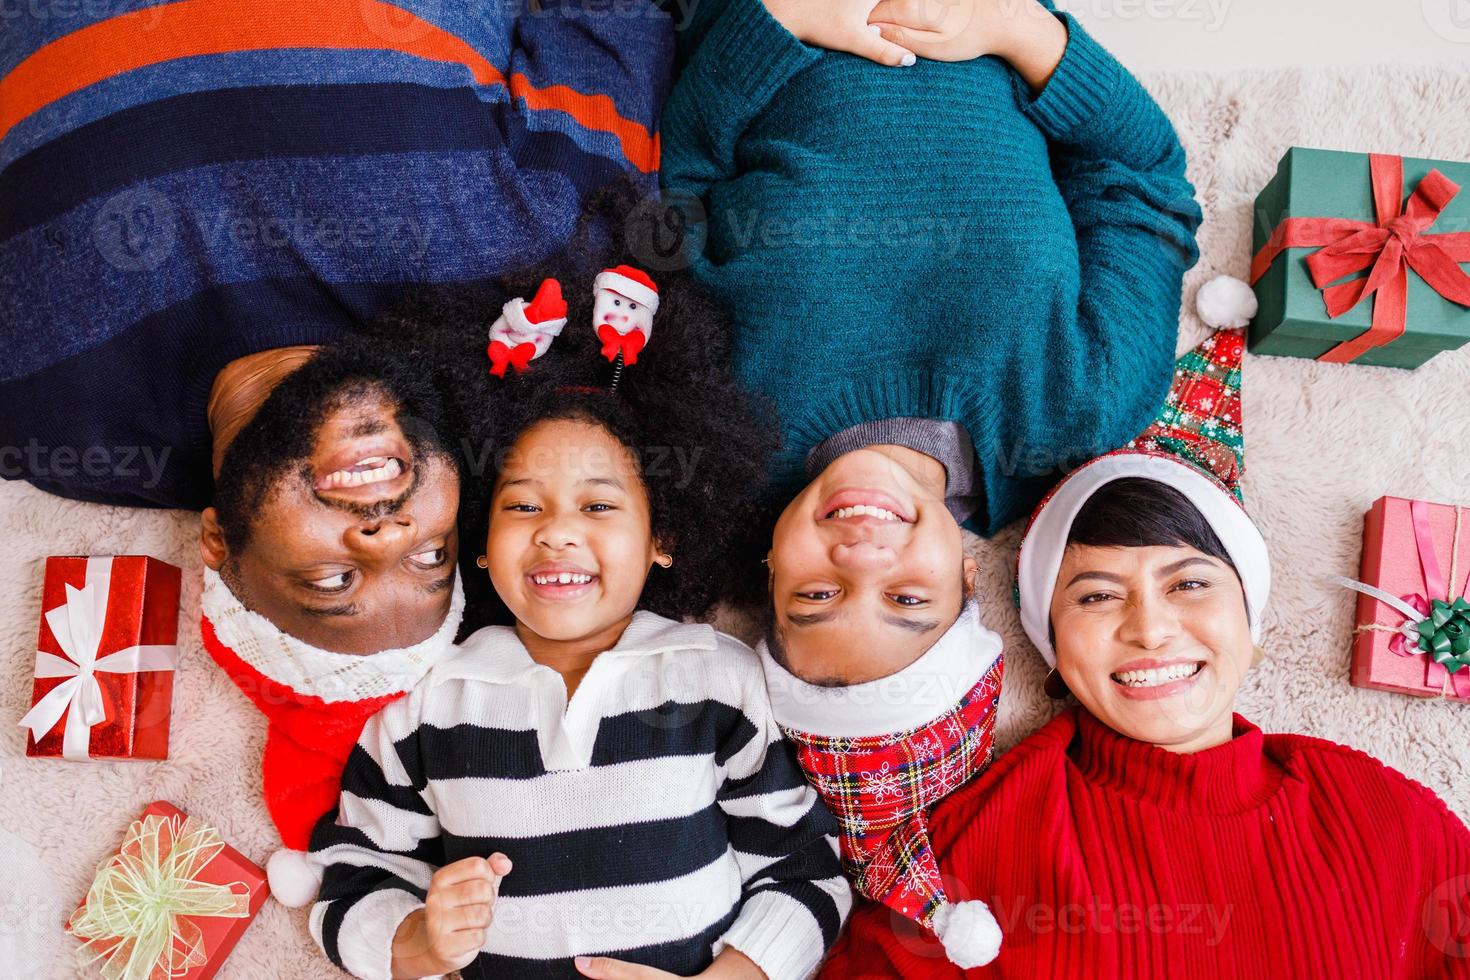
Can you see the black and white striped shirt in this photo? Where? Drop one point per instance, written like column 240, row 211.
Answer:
column 657, row 817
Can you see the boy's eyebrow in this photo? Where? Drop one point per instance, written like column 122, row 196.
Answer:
column 902, row 622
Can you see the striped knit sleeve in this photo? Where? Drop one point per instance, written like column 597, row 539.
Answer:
column 605, row 74
column 795, row 896
column 379, row 848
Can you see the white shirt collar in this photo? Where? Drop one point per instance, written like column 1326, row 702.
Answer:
column 900, row 702
column 496, row 655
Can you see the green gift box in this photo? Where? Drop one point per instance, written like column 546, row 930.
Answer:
column 1434, row 227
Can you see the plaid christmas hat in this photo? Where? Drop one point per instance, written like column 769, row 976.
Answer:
column 1197, row 446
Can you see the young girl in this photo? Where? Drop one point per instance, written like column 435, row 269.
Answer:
column 598, row 782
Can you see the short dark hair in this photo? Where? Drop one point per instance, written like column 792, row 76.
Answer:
column 1136, row 512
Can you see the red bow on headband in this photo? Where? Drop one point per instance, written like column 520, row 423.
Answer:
column 614, row 343
column 502, row 356
column 1396, row 243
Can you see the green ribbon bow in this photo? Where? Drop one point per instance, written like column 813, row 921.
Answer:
column 1445, row 633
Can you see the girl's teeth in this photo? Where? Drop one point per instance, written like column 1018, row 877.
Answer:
column 1157, row 675
column 865, row 510
column 561, row 578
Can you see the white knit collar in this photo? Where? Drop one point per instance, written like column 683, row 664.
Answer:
column 496, row 655
column 305, row 669
column 900, row 702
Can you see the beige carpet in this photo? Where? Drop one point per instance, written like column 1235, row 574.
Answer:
column 1324, row 442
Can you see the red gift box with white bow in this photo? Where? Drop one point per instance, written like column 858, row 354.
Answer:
column 105, row 659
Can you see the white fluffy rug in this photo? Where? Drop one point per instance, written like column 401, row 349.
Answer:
column 1323, row 442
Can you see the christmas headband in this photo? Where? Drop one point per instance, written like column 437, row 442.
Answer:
column 625, row 300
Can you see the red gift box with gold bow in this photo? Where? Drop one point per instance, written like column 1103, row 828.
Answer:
column 169, row 904
column 1359, row 258
column 105, row 659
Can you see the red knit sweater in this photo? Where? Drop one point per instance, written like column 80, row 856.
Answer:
column 1270, row 857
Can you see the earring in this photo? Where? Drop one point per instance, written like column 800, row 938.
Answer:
column 1055, row 687
column 664, row 561
column 483, row 561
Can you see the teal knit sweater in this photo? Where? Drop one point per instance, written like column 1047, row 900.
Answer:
column 934, row 242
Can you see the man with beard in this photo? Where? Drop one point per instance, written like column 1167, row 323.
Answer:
column 329, row 586
column 195, row 197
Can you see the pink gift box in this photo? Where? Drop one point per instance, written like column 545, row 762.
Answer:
column 1393, row 561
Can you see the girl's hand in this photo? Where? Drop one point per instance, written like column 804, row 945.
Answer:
column 1022, row 32
column 447, row 934
column 839, row 25
column 731, row 964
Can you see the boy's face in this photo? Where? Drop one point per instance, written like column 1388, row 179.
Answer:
column 569, row 546
column 868, row 569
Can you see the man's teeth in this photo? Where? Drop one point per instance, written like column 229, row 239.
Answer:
column 561, row 578
column 1155, row 676
column 374, row 469
column 864, row 510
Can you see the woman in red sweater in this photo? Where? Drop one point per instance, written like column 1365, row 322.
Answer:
column 1151, row 832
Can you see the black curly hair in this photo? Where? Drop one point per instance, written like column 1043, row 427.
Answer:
column 702, row 441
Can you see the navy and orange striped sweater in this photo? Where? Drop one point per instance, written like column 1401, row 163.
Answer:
column 185, row 183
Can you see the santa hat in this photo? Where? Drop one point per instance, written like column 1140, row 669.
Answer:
column 1197, row 446
column 546, row 313
column 630, row 282
column 316, row 703
column 882, row 753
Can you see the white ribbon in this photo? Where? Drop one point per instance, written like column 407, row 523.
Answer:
column 77, row 625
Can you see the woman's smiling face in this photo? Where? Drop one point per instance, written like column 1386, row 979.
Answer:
column 1154, row 641
column 570, row 547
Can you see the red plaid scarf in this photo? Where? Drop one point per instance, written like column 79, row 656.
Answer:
column 880, row 789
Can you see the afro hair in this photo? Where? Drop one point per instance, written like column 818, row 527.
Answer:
column 702, row 441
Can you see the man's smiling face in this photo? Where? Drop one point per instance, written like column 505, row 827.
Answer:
column 343, row 535
column 868, row 568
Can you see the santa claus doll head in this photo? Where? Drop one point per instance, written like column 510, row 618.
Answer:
column 624, row 302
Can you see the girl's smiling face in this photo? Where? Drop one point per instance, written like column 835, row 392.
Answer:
column 570, row 542
column 1154, row 641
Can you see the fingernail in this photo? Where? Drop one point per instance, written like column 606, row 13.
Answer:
column 583, row 962
column 908, row 60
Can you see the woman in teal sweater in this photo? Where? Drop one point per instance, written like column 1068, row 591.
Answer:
column 956, row 277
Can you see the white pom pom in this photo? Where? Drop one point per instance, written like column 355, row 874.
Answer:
column 294, row 878
column 1225, row 301
column 970, row 934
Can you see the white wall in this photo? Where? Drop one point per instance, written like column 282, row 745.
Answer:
column 1220, row 35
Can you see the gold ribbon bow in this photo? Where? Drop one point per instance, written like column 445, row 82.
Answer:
column 136, row 917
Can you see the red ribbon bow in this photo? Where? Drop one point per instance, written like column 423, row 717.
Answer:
column 614, row 343
column 1396, row 243
column 502, row 355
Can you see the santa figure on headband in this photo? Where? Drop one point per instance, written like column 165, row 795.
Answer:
column 624, row 302
column 524, row 331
